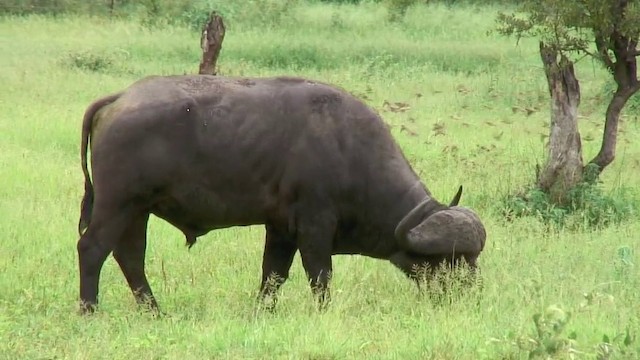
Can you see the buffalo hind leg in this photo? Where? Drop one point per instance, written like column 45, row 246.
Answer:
column 279, row 250
column 129, row 252
column 315, row 241
column 94, row 246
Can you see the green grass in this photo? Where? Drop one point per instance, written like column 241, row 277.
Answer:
column 468, row 81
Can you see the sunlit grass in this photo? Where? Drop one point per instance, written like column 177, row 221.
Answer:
column 466, row 123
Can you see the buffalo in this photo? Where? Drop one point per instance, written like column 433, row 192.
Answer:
column 311, row 162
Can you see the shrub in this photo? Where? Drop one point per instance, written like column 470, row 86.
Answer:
column 551, row 339
column 396, row 9
column 587, row 205
column 262, row 13
column 99, row 62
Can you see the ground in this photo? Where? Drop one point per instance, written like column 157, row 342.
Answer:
column 466, row 106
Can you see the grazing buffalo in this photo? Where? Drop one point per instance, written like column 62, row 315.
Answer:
column 311, row 162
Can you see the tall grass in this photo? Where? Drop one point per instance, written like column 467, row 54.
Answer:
column 466, row 123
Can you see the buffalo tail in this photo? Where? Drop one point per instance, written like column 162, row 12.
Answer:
column 86, row 206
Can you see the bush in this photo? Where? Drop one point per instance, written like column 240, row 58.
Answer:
column 169, row 10
column 256, row 12
column 396, row 9
column 52, row 7
column 99, row 62
column 587, row 206
column 342, row 1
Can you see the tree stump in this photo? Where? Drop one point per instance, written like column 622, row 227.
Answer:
column 211, row 44
column 564, row 167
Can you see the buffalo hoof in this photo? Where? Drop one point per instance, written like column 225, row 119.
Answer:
column 86, row 308
column 266, row 303
column 156, row 313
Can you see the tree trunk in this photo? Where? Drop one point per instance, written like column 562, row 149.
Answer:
column 610, row 137
column 211, row 43
column 625, row 73
column 564, row 166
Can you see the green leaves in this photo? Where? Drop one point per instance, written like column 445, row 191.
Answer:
column 572, row 26
column 556, row 23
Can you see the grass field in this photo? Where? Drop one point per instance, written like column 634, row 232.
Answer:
column 467, row 93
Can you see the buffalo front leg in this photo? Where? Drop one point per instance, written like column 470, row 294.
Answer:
column 279, row 250
column 315, row 241
column 129, row 252
column 93, row 248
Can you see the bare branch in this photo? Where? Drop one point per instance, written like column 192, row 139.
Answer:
column 583, row 56
column 587, row 52
column 603, row 51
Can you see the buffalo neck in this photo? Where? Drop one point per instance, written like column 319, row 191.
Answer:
column 402, row 200
column 394, row 192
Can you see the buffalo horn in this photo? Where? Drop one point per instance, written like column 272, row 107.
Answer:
column 417, row 214
column 414, row 217
column 456, row 198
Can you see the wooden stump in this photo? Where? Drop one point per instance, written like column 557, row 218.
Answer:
column 211, row 44
column 564, row 166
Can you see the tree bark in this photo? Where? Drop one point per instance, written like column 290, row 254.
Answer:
column 564, row 165
column 625, row 73
column 610, row 137
column 211, row 44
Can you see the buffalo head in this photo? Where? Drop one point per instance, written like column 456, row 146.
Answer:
column 434, row 234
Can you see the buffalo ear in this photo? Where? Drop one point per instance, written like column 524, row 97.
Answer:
column 456, row 198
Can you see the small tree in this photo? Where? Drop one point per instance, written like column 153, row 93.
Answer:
column 605, row 30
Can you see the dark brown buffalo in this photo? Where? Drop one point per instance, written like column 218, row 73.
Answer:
column 313, row 163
